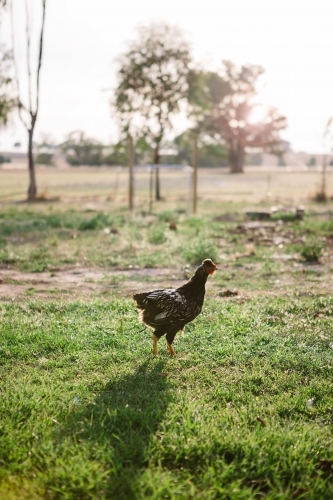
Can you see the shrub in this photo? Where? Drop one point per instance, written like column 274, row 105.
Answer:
column 4, row 159
column 97, row 222
column 285, row 216
column 200, row 249
column 45, row 159
column 195, row 222
column 157, row 235
column 166, row 215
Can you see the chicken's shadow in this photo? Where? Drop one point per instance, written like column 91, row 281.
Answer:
column 122, row 419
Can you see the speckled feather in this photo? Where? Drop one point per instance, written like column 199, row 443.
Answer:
column 172, row 307
column 169, row 310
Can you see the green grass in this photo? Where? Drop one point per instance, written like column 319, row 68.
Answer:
column 157, row 235
column 87, row 411
column 244, row 410
column 52, row 236
column 38, row 241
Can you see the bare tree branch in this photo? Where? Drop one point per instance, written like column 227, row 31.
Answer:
column 40, row 55
column 27, row 32
column 20, row 105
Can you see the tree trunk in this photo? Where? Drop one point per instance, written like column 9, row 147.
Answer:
column 157, row 174
column 32, row 191
column 236, row 157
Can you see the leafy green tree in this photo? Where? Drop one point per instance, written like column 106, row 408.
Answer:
column 152, row 85
column 81, row 150
column 4, row 159
column 117, row 154
column 211, row 152
column 225, row 105
column 45, row 151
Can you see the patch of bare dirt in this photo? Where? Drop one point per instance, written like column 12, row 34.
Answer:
column 85, row 282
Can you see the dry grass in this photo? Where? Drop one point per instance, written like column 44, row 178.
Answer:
column 257, row 184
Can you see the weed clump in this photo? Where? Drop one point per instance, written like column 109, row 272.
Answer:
column 157, row 235
column 97, row 222
column 200, row 249
column 166, row 215
column 311, row 251
column 8, row 257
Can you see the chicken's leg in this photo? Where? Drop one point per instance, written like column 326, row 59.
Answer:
column 155, row 347
column 169, row 339
column 170, row 349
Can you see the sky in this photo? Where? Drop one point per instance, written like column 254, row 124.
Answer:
column 291, row 39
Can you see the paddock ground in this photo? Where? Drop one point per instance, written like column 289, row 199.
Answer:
column 285, row 185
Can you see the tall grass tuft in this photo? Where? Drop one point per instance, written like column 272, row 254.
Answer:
column 200, row 249
column 157, row 235
column 311, row 251
column 97, row 222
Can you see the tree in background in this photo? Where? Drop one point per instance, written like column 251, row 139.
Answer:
column 211, row 152
column 152, row 85
column 82, row 150
column 28, row 113
column 45, row 151
column 195, row 145
column 117, row 154
column 225, row 106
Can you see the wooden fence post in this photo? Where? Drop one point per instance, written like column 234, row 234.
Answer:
column 195, row 174
column 131, row 178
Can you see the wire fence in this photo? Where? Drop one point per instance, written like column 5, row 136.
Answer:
column 256, row 184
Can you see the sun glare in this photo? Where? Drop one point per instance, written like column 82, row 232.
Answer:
column 257, row 114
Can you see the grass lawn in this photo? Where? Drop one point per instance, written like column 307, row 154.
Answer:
column 243, row 411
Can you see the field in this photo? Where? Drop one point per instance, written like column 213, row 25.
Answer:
column 243, row 411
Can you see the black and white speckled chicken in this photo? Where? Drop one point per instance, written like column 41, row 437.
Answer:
column 168, row 311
